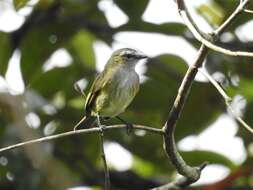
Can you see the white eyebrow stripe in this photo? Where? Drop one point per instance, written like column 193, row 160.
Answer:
column 126, row 52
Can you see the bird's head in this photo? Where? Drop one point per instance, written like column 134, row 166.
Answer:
column 126, row 56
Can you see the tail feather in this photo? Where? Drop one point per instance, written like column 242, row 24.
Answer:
column 85, row 122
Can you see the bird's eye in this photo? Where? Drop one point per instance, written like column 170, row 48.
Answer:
column 128, row 56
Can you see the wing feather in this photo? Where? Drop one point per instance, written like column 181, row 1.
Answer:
column 99, row 83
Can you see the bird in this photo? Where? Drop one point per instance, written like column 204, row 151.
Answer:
column 113, row 89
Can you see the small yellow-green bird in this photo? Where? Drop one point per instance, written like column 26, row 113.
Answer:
column 114, row 88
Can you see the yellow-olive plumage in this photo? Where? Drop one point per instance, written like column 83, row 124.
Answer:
column 115, row 87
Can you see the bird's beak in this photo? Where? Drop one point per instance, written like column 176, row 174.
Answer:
column 141, row 56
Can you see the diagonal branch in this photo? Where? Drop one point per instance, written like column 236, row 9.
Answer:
column 209, row 39
column 190, row 174
column 227, row 100
column 246, row 10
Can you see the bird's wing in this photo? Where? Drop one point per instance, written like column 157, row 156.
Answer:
column 96, row 88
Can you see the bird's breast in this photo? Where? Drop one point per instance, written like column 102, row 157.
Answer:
column 123, row 88
column 126, row 82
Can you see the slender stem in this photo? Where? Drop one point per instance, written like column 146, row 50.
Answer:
column 81, row 131
column 248, row 11
column 231, row 18
column 227, row 100
column 106, row 170
column 224, row 50
column 239, row 119
column 188, row 20
column 190, row 174
column 215, row 84
column 209, row 39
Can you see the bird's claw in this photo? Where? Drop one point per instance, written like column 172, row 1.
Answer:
column 129, row 128
column 102, row 128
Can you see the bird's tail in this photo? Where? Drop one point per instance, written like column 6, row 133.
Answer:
column 85, row 122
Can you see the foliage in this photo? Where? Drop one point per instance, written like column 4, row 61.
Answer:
column 75, row 26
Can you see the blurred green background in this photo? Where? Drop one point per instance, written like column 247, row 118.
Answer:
column 46, row 102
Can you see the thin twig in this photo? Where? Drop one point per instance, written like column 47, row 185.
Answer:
column 246, row 10
column 227, row 100
column 231, row 18
column 224, row 50
column 106, row 170
column 208, row 39
column 190, row 174
column 238, row 118
column 81, row 131
column 189, row 22
column 216, row 85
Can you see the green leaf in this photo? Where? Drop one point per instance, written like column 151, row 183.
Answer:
column 212, row 12
column 203, row 101
column 5, row 52
column 49, row 83
column 197, row 157
column 228, row 8
column 152, row 156
column 165, row 74
column 166, row 28
column 245, row 89
column 37, row 47
column 143, row 167
column 18, row 4
column 82, row 44
column 134, row 9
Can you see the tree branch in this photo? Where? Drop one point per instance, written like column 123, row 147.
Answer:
column 209, row 39
column 81, row 131
column 106, row 170
column 246, row 10
column 190, row 174
column 227, row 100
column 180, row 183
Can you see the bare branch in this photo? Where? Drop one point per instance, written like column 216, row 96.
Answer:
column 106, row 170
column 191, row 174
column 246, row 10
column 190, row 23
column 232, row 17
column 227, row 100
column 81, row 131
column 181, row 183
column 224, row 50
column 209, row 39
column 216, row 85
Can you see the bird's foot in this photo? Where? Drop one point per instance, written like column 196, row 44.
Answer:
column 129, row 128
column 102, row 128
